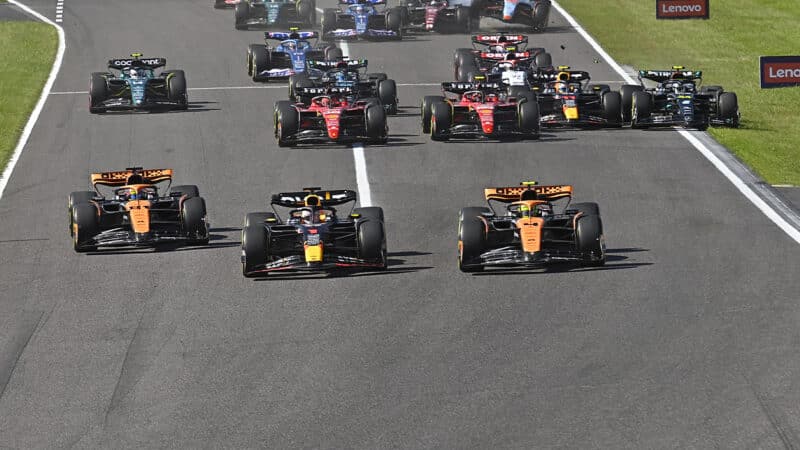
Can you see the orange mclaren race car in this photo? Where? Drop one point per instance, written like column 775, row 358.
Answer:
column 135, row 213
column 313, row 236
column 529, row 231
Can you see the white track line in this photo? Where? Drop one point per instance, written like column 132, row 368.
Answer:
column 60, row 11
column 765, row 208
column 37, row 110
column 362, row 179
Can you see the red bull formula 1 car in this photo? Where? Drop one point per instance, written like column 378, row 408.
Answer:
column 333, row 116
column 313, row 236
column 566, row 98
column 479, row 110
column 136, row 213
column 530, row 230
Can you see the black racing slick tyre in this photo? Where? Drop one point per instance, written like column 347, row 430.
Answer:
column 543, row 60
column 258, row 218
column 286, row 122
column 194, row 221
column 260, row 61
column 85, row 227
column 521, row 92
column 188, row 190
column 642, row 108
column 528, row 112
column 255, row 249
column 242, row 15
column 541, row 14
column 425, row 110
column 305, row 12
column 76, row 198
column 98, row 92
column 328, row 23
column 176, row 88
column 471, row 237
column 375, row 121
column 463, row 19
column 394, row 22
column 728, row 107
column 387, row 93
column 626, row 93
column 441, row 120
column 589, row 239
column 371, row 240
column 612, row 108
column 333, row 53
column 370, row 212
column 298, row 80
column 463, row 56
column 465, row 72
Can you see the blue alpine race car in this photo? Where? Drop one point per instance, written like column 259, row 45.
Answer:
column 136, row 86
column 275, row 13
column 361, row 18
column 266, row 62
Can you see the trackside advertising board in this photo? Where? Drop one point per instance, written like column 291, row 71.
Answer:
column 682, row 9
column 780, row 71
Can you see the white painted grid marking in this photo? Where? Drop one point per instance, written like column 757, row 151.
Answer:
column 763, row 206
column 362, row 179
column 59, row 11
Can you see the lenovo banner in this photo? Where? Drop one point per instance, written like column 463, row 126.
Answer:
column 682, row 9
column 780, row 71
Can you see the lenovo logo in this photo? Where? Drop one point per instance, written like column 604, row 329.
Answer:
column 780, row 71
column 682, row 9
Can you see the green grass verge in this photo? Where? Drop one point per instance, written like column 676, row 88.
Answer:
column 726, row 48
column 28, row 50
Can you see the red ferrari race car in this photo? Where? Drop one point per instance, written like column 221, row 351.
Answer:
column 443, row 16
column 479, row 110
column 489, row 49
column 335, row 115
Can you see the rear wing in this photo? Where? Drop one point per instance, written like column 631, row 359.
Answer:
column 362, row 2
column 123, row 177
column 326, row 90
column 123, row 63
column 341, row 64
column 663, row 75
column 516, row 193
column 499, row 38
column 505, row 55
column 574, row 75
column 457, row 87
column 325, row 198
column 283, row 35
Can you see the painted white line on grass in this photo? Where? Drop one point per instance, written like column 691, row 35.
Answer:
column 765, row 208
column 362, row 180
column 37, row 110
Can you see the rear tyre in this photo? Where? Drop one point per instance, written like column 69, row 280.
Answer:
column 375, row 118
column 189, row 190
column 333, row 53
column 286, row 122
column 328, row 23
column 728, row 108
column 371, row 239
column 387, row 93
column 541, row 14
column 259, row 62
column 466, row 71
column 589, row 239
column 298, row 80
column 612, row 108
column 587, row 208
column 98, row 92
column 176, row 88
column 258, row 218
column 305, row 11
column 521, row 92
column 544, row 60
column 463, row 56
column 626, row 92
column 642, row 108
column 471, row 237
column 441, row 119
column 370, row 213
column 255, row 249
column 394, row 21
column 529, row 119
column 194, row 221
column 463, row 21
column 425, row 110
column 242, row 15
column 85, row 227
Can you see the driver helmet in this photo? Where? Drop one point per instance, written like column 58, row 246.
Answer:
column 523, row 211
column 688, row 87
column 137, row 72
column 360, row 9
column 491, row 97
column 305, row 216
column 133, row 194
column 543, row 210
column 474, row 96
column 290, row 46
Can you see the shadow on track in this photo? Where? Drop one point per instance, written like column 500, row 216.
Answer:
column 614, row 258
column 396, row 266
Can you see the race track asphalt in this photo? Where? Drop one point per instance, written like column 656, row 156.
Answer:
column 687, row 338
